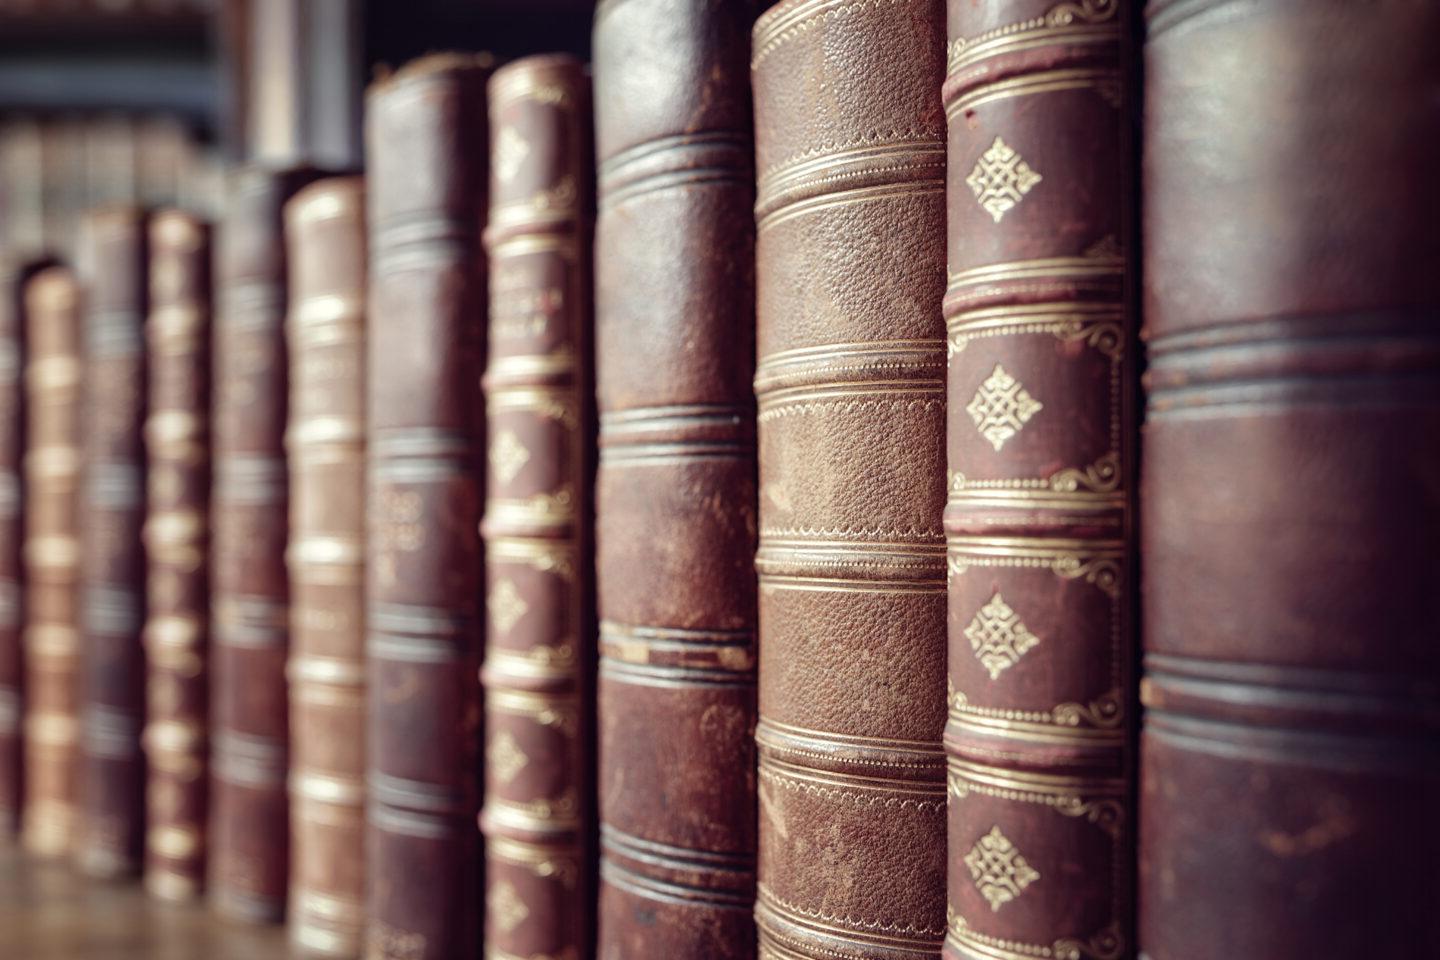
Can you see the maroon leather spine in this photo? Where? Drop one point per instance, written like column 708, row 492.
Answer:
column 1040, row 495
column 1288, row 760
column 325, row 442
column 111, row 778
column 540, row 651
column 51, row 560
column 176, row 636
column 675, row 494
column 849, row 141
column 12, row 530
column 249, row 819
column 428, row 146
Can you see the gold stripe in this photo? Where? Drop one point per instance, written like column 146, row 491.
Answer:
column 538, row 365
column 844, row 198
column 1049, row 81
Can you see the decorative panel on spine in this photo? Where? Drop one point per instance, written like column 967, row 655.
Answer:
column 851, row 411
column 51, row 560
column 675, row 495
column 539, row 649
column 1288, row 760
column 176, row 636
column 12, row 528
column 249, row 813
column 427, row 147
column 110, row 833
column 325, row 444
column 1038, row 517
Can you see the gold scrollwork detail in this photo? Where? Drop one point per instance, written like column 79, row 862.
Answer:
column 1107, row 814
column 1100, row 571
column 1070, row 20
column 1107, row 944
column 1106, row 711
column 1090, row 11
column 1102, row 476
column 1107, row 338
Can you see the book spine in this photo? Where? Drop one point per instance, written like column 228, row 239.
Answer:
column 12, row 530
column 539, row 650
column 427, row 148
column 325, row 442
column 249, row 603
column 675, row 494
column 51, row 560
column 1291, row 679
column 176, row 636
column 850, row 391
column 1038, row 516
column 110, row 835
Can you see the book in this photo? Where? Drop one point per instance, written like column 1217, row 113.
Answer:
column 325, row 444
column 13, row 274
column 1288, row 750
column 176, row 636
column 849, row 381
column 110, row 832
column 538, row 813
column 427, row 146
column 51, row 641
column 675, row 493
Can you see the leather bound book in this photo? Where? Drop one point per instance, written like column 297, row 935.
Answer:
column 325, row 441
column 249, row 836
column 427, row 137
column 539, row 652
column 176, row 636
column 111, row 778
column 51, row 560
column 850, row 395
column 675, row 506
column 12, row 529
column 1041, row 459
column 1290, row 751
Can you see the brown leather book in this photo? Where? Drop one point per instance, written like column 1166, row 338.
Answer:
column 675, row 495
column 427, row 149
column 249, row 835
column 1038, row 518
column 325, row 442
column 176, row 636
column 1290, row 754
column 851, row 410
column 12, row 530
column 539, row 651
column 111, row 778
column 51, row 560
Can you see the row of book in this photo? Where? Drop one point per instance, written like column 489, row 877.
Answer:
column 714, row 474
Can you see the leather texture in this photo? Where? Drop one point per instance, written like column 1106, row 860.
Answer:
column 851, row 410
column 325, row 447
column 111, row 779
column 249, row 817
column 1039, row 511
column 538, row 675
column 1288, row 759
column 13, row 275
column 51, row 561
column 177, row 594
column 675, row 494
column 427, row 148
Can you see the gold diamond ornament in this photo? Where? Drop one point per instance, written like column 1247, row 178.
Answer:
column 506, row 757
column 506, row 908
column 507, row 456
column 506, row 606
column 1001, row 406
column 1001, row 178
column 999, row 871
column 997, row 636
column 510, row 152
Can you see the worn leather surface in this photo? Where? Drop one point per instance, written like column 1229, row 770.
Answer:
column 12, row 532
column 325, row 447
column 51, row 560
column 110, row 833
column 176, row 534
column 249, row 825
column 538, row 811
column 1040, row 490
column 1288, row 494
column 851, row 401
column 427, row 148
column 675, row 495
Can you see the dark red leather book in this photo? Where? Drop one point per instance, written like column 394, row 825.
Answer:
column 428, row 154
column 176, row 637
column 675, row 494
column 1038, row 519
column 111, row 777
column 850, row 212
column 1288, row 758
column 12, row 530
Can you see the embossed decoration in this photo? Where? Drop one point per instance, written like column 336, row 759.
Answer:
column 997, row 636
column 506, row 757
column 510, row 152
column 1001, row 179
column 1001, row 406
column 999, row 871
column 507, row 910
column 506, row 606
column 507, row 456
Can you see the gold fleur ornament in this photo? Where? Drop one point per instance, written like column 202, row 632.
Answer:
column 1001, row 407
column 997, row 636
column 507, row 456
column 506, row 757
column 1001, row 179
column 510, row 152
column 999, row 871
column 506, row 606
column 506, row 908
